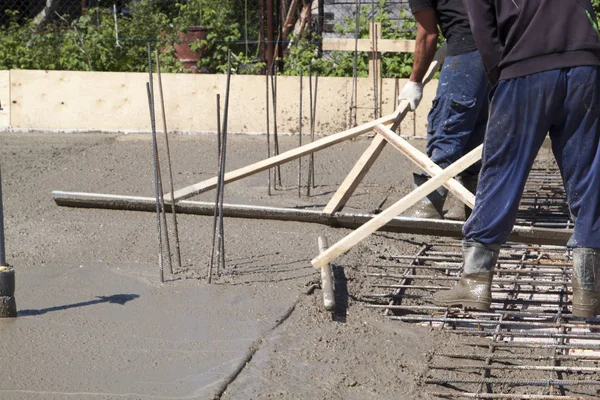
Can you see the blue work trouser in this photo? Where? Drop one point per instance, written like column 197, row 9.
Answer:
column 456, row 122
column 565, row 103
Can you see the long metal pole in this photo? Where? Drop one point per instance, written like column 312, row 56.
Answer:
column 374, row 56
column 218, row 190
column 310, row 156
column 2, row 248
column 155, row 160
column 268, row 133
column 221, row 247
column 314, row 113
column 270, row 35
column 169, row 163
column 275, row 133
column 300, row 139
column 354, row 95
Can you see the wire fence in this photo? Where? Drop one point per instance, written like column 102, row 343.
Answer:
column 111, row 35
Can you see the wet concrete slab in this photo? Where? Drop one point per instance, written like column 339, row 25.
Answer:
column 89, row 331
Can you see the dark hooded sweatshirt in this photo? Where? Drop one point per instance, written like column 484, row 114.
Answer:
column 523, row 37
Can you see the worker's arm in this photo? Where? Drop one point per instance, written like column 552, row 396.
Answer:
column 482, row 17
column 426, row 44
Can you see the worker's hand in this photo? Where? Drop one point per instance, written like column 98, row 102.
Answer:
column 413, row 93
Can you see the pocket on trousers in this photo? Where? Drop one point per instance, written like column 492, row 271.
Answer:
column 462, row 115
column 433, row 118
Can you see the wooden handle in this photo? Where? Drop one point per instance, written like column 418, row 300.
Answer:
column 326, row 278
column 425, row 163
column 400, row 206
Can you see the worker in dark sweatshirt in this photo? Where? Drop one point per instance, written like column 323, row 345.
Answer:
column 456, row 122
column 544, row 58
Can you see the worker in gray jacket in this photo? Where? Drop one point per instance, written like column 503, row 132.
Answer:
column 543, row 56
column 456, row 122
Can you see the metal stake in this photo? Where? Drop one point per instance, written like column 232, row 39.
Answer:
column 217, row 191
column 275, row 134
column 268, row 134
column 221, row 247
column 300, row 139
column 310, row 157
column 169, row 163
column 155, row 160
column 312, row 129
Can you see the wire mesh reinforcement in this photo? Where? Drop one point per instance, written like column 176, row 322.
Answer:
column 528, row 346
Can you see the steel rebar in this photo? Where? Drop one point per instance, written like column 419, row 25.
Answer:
column 312, row 131
column 467, row 395
column 314, row 121
column 2, row 240
column 154, row 158
column 169, row 163
column 275, row 130
column 217, row 192
column 516, row 382
column 221, row 247
column 268, row 133
column 300, row 139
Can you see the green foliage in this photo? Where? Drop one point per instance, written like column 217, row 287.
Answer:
column 89, row 43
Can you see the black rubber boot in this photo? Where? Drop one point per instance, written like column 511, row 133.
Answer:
column 457, row 210
column 430, row 207
column 586, row 282
column 473, row 290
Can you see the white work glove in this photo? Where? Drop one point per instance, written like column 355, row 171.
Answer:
column 413, row 93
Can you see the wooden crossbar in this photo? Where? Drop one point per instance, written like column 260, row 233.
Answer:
column 400, row 206
column 290, row 155
column 425, row 163
column 382, row 45
column 368, row 158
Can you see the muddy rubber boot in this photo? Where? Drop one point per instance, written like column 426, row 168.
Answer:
column 457, row 210
column 430, row 207
column 586, row 282
column 473, row 290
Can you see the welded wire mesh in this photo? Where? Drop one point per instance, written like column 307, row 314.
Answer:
column 528, row 346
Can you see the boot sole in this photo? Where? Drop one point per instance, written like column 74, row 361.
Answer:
column 466, row 304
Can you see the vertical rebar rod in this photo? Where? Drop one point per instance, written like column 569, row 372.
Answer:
column 300, row 139
column 163, row 213
column 161, row 198
column 221, row 247
column 310, row 105
column 375, row 61
column 169, row 163
column 354, row 94
column 2, row 248
column 275, row 131
column 217, row 191
column 313, row 126
column 158, row 224
column 268, row 131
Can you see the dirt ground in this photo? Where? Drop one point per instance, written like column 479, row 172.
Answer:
column 95, row 321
